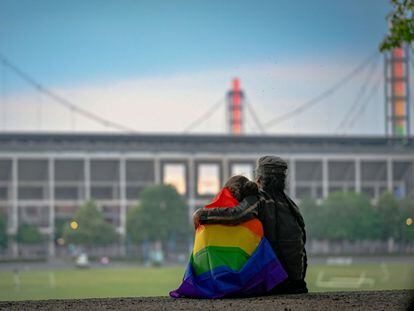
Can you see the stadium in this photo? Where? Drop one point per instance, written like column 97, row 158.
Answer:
column 44, row 177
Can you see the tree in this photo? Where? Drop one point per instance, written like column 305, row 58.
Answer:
column 3, row 232
column 315, row 218
column 388, row 216
column 60, row 224
column 29, row 234
column 89, row 227
column 406, row 220
column 162, row 214
column 401, row 25
column 350, row 216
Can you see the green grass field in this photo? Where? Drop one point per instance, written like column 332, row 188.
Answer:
column 132, row 282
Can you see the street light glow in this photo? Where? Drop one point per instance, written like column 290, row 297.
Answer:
column 409, row 221
column 74, row 225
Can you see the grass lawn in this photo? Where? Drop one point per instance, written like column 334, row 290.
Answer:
column 132, row 282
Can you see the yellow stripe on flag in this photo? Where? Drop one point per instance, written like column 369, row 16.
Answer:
column 227, row 236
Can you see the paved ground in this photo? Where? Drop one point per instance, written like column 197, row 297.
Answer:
column 375, row 300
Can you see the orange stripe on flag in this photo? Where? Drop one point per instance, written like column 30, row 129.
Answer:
column 255, row 226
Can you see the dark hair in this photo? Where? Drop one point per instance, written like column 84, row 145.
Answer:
column 241, row 187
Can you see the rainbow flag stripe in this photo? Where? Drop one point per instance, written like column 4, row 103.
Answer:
column 230, row 261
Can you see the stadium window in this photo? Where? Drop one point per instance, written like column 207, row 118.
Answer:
column 4, row 193
column 174, row 174
column 208, row 179
column 244, row 169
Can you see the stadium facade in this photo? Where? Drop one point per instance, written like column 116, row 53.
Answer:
column 44, row 177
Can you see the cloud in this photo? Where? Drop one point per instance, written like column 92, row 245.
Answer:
column 169, row 103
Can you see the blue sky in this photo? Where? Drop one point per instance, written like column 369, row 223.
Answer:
column 76, row 45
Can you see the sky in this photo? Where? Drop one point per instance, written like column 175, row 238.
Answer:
column 156, row 66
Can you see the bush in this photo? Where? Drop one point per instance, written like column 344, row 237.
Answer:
column 315, row 220
column 29, row 234
column 350, row 216
column 342, row 215
column 161, row 215
column 389, row 216
column 406, row 228
column 3, row 232
column 92, row 228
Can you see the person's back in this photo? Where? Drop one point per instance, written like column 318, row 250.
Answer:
column 282, row 222
column 285, row 233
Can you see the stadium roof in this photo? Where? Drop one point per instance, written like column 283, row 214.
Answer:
column 90, row 142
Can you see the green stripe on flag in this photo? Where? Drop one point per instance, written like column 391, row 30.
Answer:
column 214, row 256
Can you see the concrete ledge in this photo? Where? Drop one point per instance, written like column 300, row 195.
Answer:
column 364, row 300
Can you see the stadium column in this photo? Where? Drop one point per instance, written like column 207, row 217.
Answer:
column 225, row 169
column 292, row 178
column 325, row 174
column 157, row 170
column 87, row 177
column 123, row 203
column 389, row 175
column 51, row 177
column 357, row 175
column 15, row 206
column 191, row 188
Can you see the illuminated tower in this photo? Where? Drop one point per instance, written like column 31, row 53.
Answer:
column 397, row 96
column 235, row 100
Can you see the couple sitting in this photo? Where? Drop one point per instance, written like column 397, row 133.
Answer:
column 248, row 241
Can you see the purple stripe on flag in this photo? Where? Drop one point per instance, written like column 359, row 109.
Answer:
column 272, row 275
column 260, row 274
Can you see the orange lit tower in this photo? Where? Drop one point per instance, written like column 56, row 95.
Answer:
column 235, row 101
column 397, row 96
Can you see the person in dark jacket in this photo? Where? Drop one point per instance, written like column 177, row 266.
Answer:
column 283, row 224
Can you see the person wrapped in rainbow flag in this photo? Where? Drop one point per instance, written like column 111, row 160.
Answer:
column 231, row 261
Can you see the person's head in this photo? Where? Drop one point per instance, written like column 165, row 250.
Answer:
column 270, row 172
column 241, row 187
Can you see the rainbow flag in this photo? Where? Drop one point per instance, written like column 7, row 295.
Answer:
column 230, row 261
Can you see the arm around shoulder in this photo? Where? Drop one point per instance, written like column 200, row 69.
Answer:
column 246, row 210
